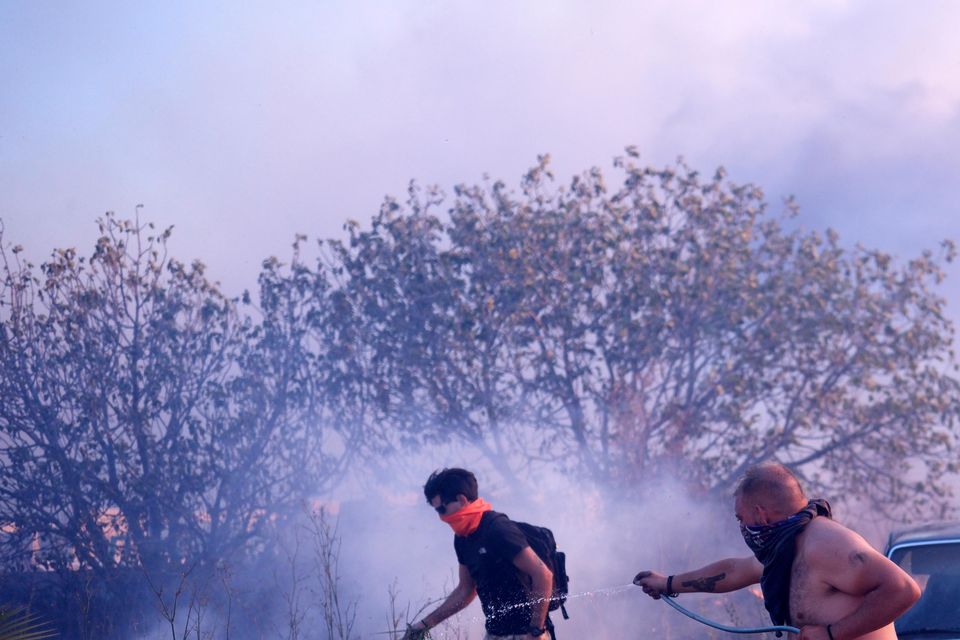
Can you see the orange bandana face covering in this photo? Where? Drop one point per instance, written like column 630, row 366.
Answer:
column 466, row 521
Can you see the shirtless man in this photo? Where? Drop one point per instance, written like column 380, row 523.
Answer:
column 815, row 574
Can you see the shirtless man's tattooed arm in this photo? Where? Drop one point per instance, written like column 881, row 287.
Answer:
column 707, row 585
column 722, row 576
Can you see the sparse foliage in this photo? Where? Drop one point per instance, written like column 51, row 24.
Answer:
column 144, row 421
column 309, row 580
column 670, row 321
column 148, row 422
column 18, row 623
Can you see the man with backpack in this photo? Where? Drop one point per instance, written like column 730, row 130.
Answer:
column 500, row 560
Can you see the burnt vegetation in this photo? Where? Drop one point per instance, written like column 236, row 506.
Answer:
column 156, row 433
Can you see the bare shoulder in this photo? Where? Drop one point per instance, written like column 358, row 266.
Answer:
column 829, row 542
column 842, row 559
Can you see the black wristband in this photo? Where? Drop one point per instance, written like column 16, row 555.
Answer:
column 829, row 633
column 670, row 587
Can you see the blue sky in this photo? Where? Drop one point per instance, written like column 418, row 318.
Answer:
column 243, row 123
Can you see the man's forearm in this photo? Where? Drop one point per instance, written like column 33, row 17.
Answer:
column 878, row 608
column 540, row 593
column 456, row 601
column 722, row 576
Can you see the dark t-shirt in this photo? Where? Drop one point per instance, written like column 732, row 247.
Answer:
column 488, row 554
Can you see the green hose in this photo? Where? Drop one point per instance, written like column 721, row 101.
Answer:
column 778, row 629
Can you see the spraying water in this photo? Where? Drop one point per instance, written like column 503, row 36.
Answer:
column 779, row 630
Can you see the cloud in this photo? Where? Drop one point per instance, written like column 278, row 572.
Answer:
column 249, row 123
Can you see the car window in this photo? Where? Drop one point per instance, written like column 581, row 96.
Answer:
column 936, row 568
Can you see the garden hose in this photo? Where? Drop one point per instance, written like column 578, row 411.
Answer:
column 778, row 629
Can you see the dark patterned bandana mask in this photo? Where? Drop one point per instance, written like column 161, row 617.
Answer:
column 760, row 537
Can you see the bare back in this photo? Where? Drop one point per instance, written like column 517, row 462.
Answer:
column 833, row 570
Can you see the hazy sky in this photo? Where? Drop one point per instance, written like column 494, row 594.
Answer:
column 242, row 123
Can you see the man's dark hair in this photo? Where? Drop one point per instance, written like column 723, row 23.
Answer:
column 449, row 483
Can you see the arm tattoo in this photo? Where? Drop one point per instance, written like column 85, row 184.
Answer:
column 858, row 557
column 708, row 585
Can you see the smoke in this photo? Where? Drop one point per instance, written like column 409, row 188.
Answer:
column 373, row 556
column 392, row 537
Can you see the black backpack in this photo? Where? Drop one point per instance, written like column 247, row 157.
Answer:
column 543, row 544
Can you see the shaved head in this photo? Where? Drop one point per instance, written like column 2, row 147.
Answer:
column 773, row 486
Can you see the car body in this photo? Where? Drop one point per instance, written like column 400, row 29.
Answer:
column 931, row 554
